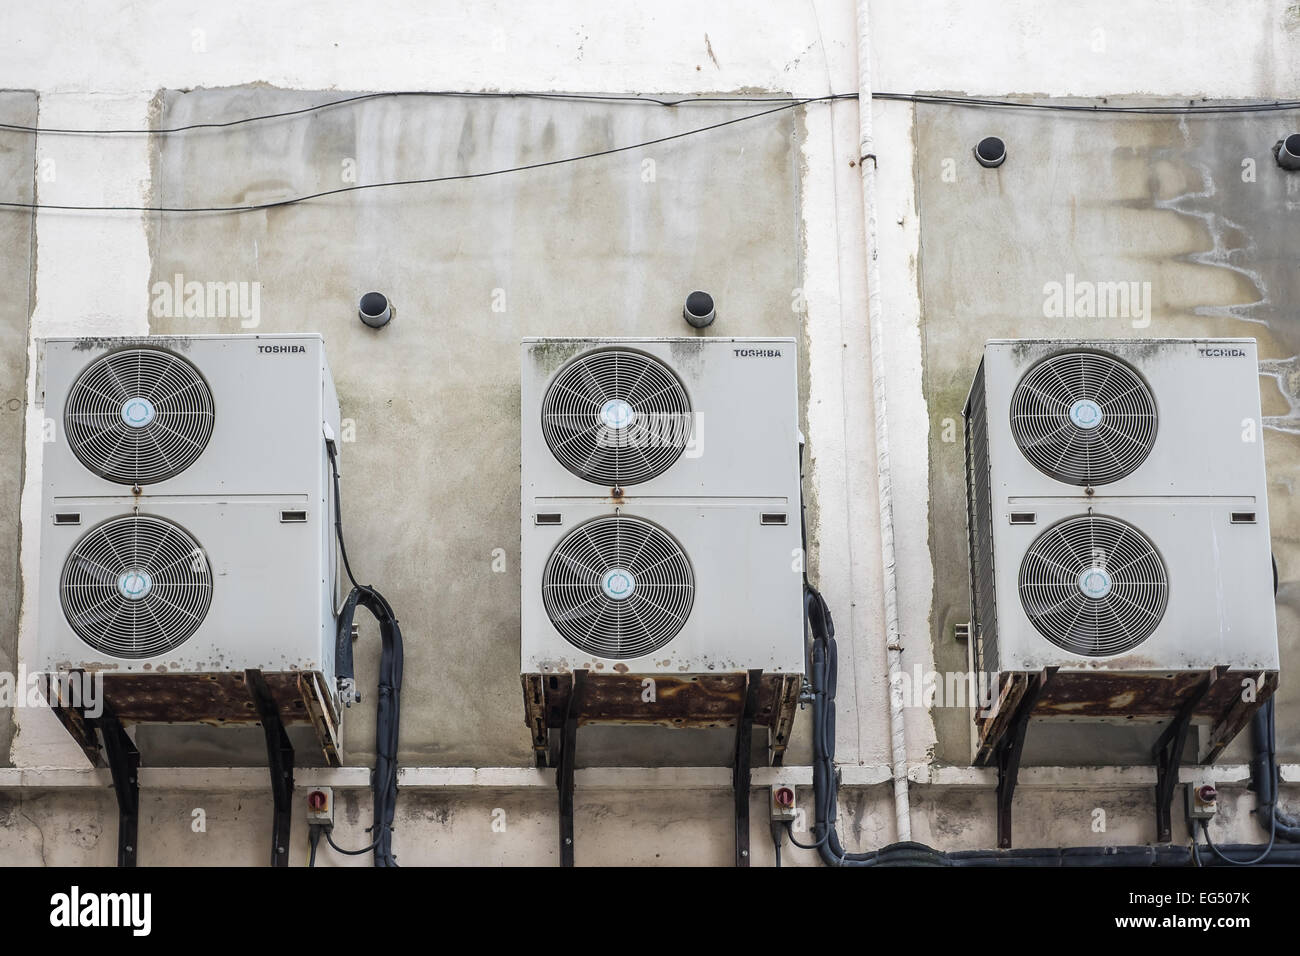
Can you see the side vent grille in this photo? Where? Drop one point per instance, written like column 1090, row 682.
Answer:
column 979, row 523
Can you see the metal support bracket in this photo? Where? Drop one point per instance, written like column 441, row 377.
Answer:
column 740, row 773
column 565, row 769
column 279, row 755
column 1168, row 754
column 1009, row 751
column 124, row 765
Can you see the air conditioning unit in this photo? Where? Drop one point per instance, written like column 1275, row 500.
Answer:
column 1118, row 530
column 661, row 543
column 186, row 529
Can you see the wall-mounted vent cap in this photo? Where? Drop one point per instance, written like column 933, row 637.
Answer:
column 375, row 310
column 1287, row 152
column 699, row 310
column 991, row 152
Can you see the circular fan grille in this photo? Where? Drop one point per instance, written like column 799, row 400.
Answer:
column 616, row 417
column 138, row 416
column 618, row 587
column 136, row 586
column 1084, row 418
column 1094, row 586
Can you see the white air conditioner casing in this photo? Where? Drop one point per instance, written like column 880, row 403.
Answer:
column 255, row 501
column 1118, row 520
column 723, row 595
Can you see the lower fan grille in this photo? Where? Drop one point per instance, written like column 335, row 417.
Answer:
column 1094, row 585
column 618, row 587
column 136, row 587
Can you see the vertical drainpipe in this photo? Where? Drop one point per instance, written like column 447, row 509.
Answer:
column 893, row 644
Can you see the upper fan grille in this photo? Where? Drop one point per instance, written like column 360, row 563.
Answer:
column 1084, row 417
column 618, row 587
column 616, row 417
column 138, row 416
column 136, row 586
column 1094, row 585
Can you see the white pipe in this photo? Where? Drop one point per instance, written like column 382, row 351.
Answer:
column 884, row 488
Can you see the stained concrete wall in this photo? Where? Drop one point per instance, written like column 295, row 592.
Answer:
column 18, row 174
column 609, row 246
column 784, row 214
column 1194, row 210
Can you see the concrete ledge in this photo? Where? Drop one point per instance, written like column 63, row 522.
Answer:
column 609, row 779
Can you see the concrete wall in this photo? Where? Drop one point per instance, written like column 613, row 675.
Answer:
column 766, row 214
column 18, row 173
column 1193, row 210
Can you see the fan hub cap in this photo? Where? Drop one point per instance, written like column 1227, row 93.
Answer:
column 1086, row 414
column 1095, row 583
column 617, row 414
column 134, row 585
column 138, row 412
column 617, row 584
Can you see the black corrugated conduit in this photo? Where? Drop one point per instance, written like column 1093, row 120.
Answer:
column 383, row 780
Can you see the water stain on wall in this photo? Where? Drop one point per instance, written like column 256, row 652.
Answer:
column 1193, row 209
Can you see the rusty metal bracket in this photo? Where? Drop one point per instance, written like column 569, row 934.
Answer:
column 564, row 772
column 124, row 765
column 1009, row 751
column 279, row 756
column 1168, row 754
column 740, row 772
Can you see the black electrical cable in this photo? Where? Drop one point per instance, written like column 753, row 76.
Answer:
column 338, row 513
column 387, row 94
column 786, row 103
column 940, row 99
column 1272, row 842
column 388, row 710
column 458, row 177
column 313, row 838
column 338, row 849
column 803, row 846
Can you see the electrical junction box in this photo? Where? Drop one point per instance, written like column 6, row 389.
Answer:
column 187, row 548
column 1118, row 532
column 781, row 805
column 1202, row 801
column 660, row 526
column 320, row 806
